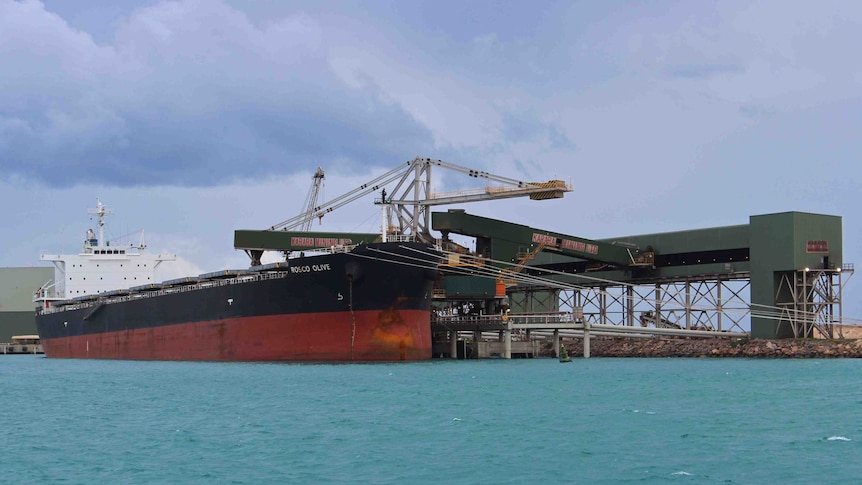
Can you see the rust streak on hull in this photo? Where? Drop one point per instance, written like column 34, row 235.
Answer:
column 388, row 335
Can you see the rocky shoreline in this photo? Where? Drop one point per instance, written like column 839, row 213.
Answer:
column 714, row 347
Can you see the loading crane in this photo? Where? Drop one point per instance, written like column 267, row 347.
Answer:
column 410, row 200
column 417, row 193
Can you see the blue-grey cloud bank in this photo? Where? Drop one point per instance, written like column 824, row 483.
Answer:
column 185, row 93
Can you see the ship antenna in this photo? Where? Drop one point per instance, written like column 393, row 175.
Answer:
column 100, row 211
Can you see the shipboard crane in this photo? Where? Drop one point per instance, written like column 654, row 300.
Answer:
column 410, row 200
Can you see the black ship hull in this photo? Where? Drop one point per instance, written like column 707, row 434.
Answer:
column 372, row 303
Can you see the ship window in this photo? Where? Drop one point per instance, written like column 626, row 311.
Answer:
column 123, row 251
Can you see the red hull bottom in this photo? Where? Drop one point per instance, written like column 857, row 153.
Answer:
column 389, row 335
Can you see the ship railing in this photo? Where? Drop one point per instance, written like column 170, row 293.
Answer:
column 341, row 248
column 171, row 290
column 43, row 294
column 400, row 238
column 544, row 318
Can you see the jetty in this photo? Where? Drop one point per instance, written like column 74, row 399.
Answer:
column 22, row 344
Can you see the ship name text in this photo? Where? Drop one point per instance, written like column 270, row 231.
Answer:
column 308, row 268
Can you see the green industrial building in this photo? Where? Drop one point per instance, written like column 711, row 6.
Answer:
column 17, row 313
column 790, row 263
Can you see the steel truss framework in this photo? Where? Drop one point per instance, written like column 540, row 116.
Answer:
column 719, row 303
column 410, row 200
column 809, row 301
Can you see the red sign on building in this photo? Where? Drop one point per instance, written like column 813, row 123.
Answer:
column 817, row 247
column 544, row 239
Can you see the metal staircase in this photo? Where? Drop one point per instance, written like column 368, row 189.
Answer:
column 508, row 275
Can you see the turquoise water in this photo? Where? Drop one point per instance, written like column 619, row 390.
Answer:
column 519, row 421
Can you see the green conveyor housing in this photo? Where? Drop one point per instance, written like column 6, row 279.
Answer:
column 504, row 241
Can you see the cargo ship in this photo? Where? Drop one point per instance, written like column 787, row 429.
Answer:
column 358, row 303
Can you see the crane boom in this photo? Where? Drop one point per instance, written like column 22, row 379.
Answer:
column 476, row 173
column 341, row 200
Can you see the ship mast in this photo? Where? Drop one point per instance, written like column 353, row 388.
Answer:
column 100, row 211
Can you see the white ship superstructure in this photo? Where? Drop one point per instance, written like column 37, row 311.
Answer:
column 100, row 267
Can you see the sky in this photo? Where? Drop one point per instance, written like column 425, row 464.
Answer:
column 193, row 118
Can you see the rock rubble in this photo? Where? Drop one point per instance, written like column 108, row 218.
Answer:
column 715, row 347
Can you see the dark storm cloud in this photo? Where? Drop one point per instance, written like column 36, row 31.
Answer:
column 186, row 93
